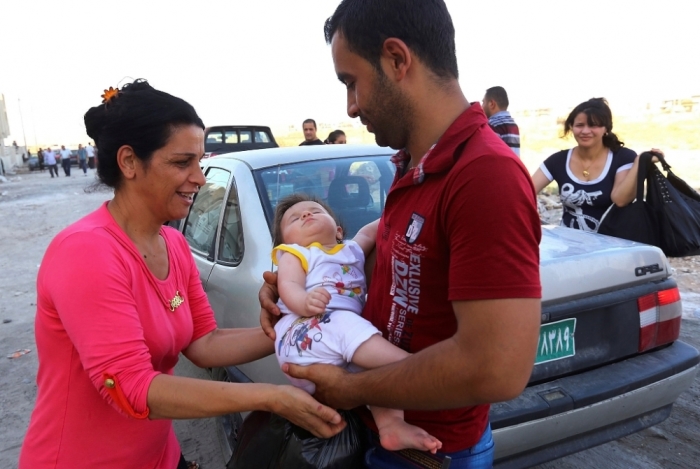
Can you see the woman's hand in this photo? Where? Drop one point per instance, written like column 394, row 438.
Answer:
column 316, row 301
column 268, row 296
column 655, row 159
column 300, row 408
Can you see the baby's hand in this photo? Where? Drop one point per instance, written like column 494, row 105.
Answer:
column 317, row 300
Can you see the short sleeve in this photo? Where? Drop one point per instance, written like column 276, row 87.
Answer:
column 624, row 159
column 493, row 232
column 546, row 172
column 355, row 249
column 293, row 249
column 554, row 165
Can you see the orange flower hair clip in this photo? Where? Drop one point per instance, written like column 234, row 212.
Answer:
column 109, row 95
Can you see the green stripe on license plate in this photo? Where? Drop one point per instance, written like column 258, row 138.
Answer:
column 556, row 341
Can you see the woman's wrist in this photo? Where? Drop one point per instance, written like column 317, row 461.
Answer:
column 270, row 396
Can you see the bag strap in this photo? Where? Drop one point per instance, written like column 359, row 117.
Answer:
column 662, row 160
column 643, row 170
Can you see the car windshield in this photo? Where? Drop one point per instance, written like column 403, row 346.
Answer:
column 354, row 188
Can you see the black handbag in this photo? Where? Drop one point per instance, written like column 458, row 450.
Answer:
column 637, row 220
column 677, row 209
column 669, row 217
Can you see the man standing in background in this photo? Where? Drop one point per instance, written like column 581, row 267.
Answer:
column 90, row 150
column 50, row 160
column 310, row 138
column 495, row 106
column 82, row 158
column 65, row 160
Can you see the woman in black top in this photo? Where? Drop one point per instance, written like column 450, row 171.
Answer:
column 596, row 173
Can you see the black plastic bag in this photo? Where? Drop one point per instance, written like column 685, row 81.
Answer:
column 637, row 220
column 268, row 441
column 677, row 210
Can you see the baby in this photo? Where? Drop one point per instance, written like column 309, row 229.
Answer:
column 322, row 289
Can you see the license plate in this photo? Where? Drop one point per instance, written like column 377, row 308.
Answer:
column 556, row 341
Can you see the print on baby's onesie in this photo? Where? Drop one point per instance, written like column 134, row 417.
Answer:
column 302, row 333
column 344, row 281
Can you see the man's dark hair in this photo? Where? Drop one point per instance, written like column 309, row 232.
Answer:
column 498, row 94
column 597, row 113
column 290, row 201
column 424, row 25
column 309, row 121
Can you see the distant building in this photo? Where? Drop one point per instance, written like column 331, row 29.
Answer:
column 4, row 123
column 11, row 156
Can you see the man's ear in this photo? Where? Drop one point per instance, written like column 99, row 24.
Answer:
column 126, row 159
column 397, row 58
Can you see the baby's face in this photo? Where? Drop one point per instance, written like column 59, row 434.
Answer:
column 308, row 222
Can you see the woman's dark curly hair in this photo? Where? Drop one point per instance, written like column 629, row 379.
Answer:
column 141, row 117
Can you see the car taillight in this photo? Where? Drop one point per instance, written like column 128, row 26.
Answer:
column 659, row 318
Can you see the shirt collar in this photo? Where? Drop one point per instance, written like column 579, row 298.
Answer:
column 440, row 157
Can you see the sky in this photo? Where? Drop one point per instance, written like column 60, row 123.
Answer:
column 266, row 62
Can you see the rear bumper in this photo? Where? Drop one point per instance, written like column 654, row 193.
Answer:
column 570, row 414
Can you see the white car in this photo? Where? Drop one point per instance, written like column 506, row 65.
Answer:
column 608, row 361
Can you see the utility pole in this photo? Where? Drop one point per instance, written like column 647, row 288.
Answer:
column 21, row 119
column 36, row 142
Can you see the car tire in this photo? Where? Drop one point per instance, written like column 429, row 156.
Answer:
column 227, row 426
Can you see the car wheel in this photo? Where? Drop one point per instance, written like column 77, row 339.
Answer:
column 228, row 426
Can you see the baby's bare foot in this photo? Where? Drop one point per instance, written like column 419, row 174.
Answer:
column 398, row 434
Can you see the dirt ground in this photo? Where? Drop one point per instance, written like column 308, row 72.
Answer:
column 34, row 208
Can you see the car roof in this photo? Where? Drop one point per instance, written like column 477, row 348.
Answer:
column 223, row 127
column 258, row 159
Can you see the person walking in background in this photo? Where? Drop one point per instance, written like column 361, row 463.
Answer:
column 82, row 158
column 90, row 150
column 310, row 138
column 50, row 160
column 40, row 157
column 336, row 137
column 495, row 104
column 65, row 160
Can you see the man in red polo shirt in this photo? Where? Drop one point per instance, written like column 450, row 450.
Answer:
column 456, row 280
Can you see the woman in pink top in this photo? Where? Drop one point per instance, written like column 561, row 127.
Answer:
column 106, row 390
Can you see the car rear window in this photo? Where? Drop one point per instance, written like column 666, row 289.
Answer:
column 354, row 188
column 262, row 137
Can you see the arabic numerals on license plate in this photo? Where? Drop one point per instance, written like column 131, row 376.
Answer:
column 556, row 341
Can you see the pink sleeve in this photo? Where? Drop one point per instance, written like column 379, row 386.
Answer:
column 102, row 323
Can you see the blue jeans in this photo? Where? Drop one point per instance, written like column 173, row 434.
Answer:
column 479, row 456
